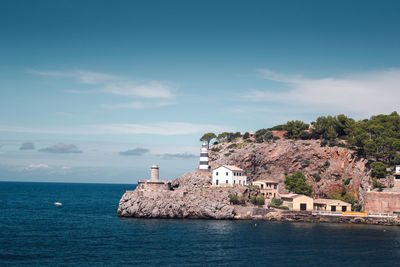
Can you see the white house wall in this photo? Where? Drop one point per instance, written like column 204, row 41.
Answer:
column 224, row 179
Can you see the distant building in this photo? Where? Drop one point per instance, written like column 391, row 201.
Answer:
column 251, row 134
column 331, row 205
column 228, row 175
column 396, row 182
column 297, row 202
column 387, row 201
column 268, row 188
column 203, row 166
column 154, row 183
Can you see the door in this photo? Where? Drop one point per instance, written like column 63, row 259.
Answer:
column 344, row 208
column 303, row 206
column 216, row 182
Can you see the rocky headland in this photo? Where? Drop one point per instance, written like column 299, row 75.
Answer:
column 192, row 196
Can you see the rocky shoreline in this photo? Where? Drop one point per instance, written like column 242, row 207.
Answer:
column 191, row 195
column 205, row 202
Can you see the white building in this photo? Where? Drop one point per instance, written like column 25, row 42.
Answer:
column 228, row 175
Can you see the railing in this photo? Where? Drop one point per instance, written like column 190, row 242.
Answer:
column 354, row 213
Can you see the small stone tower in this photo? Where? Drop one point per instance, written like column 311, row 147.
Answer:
column 154, row 173
column 397, row 179
column 203, row 158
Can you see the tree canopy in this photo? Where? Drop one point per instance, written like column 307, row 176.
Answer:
column 208, row 137
column 297, row 183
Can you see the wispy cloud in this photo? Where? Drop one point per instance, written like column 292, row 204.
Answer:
column 85, row 77
column 170, row 156
column 116, row 85
column 135, row 152
column 32, row 167
column 61, row 148
column 138, row 105
column 161, row 128
column 360, row 94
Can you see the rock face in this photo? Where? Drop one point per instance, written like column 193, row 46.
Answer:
column 272, row 161
column 192, row 195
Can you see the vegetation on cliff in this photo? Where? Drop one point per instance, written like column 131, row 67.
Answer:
column 377, row 138
column 297, row 183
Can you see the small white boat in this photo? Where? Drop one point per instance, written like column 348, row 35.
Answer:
column 57, row 204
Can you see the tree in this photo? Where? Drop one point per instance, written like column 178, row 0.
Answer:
column 297, row 183
column 263, row 135
column 208, row 137
column 378, row 169
column 294, row 128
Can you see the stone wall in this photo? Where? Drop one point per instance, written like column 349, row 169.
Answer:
column 382, row 202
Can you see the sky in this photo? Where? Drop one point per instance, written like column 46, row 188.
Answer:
column 98, row 91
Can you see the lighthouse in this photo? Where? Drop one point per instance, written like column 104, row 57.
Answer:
column 203, row 158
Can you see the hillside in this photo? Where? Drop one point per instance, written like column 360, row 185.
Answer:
column 326, row 168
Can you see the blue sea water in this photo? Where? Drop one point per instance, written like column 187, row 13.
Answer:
column 86, row 230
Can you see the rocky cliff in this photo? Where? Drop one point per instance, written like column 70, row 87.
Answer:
column 325, row 168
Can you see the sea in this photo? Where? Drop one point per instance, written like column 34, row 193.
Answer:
column 86, row 230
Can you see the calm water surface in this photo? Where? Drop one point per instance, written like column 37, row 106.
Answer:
column 87, row 231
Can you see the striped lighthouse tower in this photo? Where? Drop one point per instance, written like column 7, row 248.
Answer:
column 203, row 158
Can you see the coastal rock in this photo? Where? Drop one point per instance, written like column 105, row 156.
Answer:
column 273, row 160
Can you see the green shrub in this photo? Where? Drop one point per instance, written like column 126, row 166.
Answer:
column 356, row 207
column 377, row 184
column 305, row 163
column 297, row 183
column 216, row 149
column 327, row 164
column 317, row 177
column 227, row 154
column 378, row 169
column 347, row 181
column 233, row 199
column 259, row 201
column 276, row 201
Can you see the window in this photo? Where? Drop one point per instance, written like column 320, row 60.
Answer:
column 303, row 206
column 240, row 182
column 226, row 181
column 262, row 186
column 216, row 173
column 344, row 208
column 216, row 182
column 274, row 186
column 234, row 181
column 333, row 208
column 226, row 173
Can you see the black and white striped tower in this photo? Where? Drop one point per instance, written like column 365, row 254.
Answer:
column 203, row 158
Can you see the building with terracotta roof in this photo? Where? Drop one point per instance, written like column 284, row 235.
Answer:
column 268, row 188
column 228, row 175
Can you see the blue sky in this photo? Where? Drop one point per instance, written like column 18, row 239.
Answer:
column 98, row 90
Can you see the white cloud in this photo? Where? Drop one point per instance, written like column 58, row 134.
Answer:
column 161, row 128
column 137, row 105
column 152, row 89
column 116, row 85
column 85, row 77
column 361, row 94
column 32, row 167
